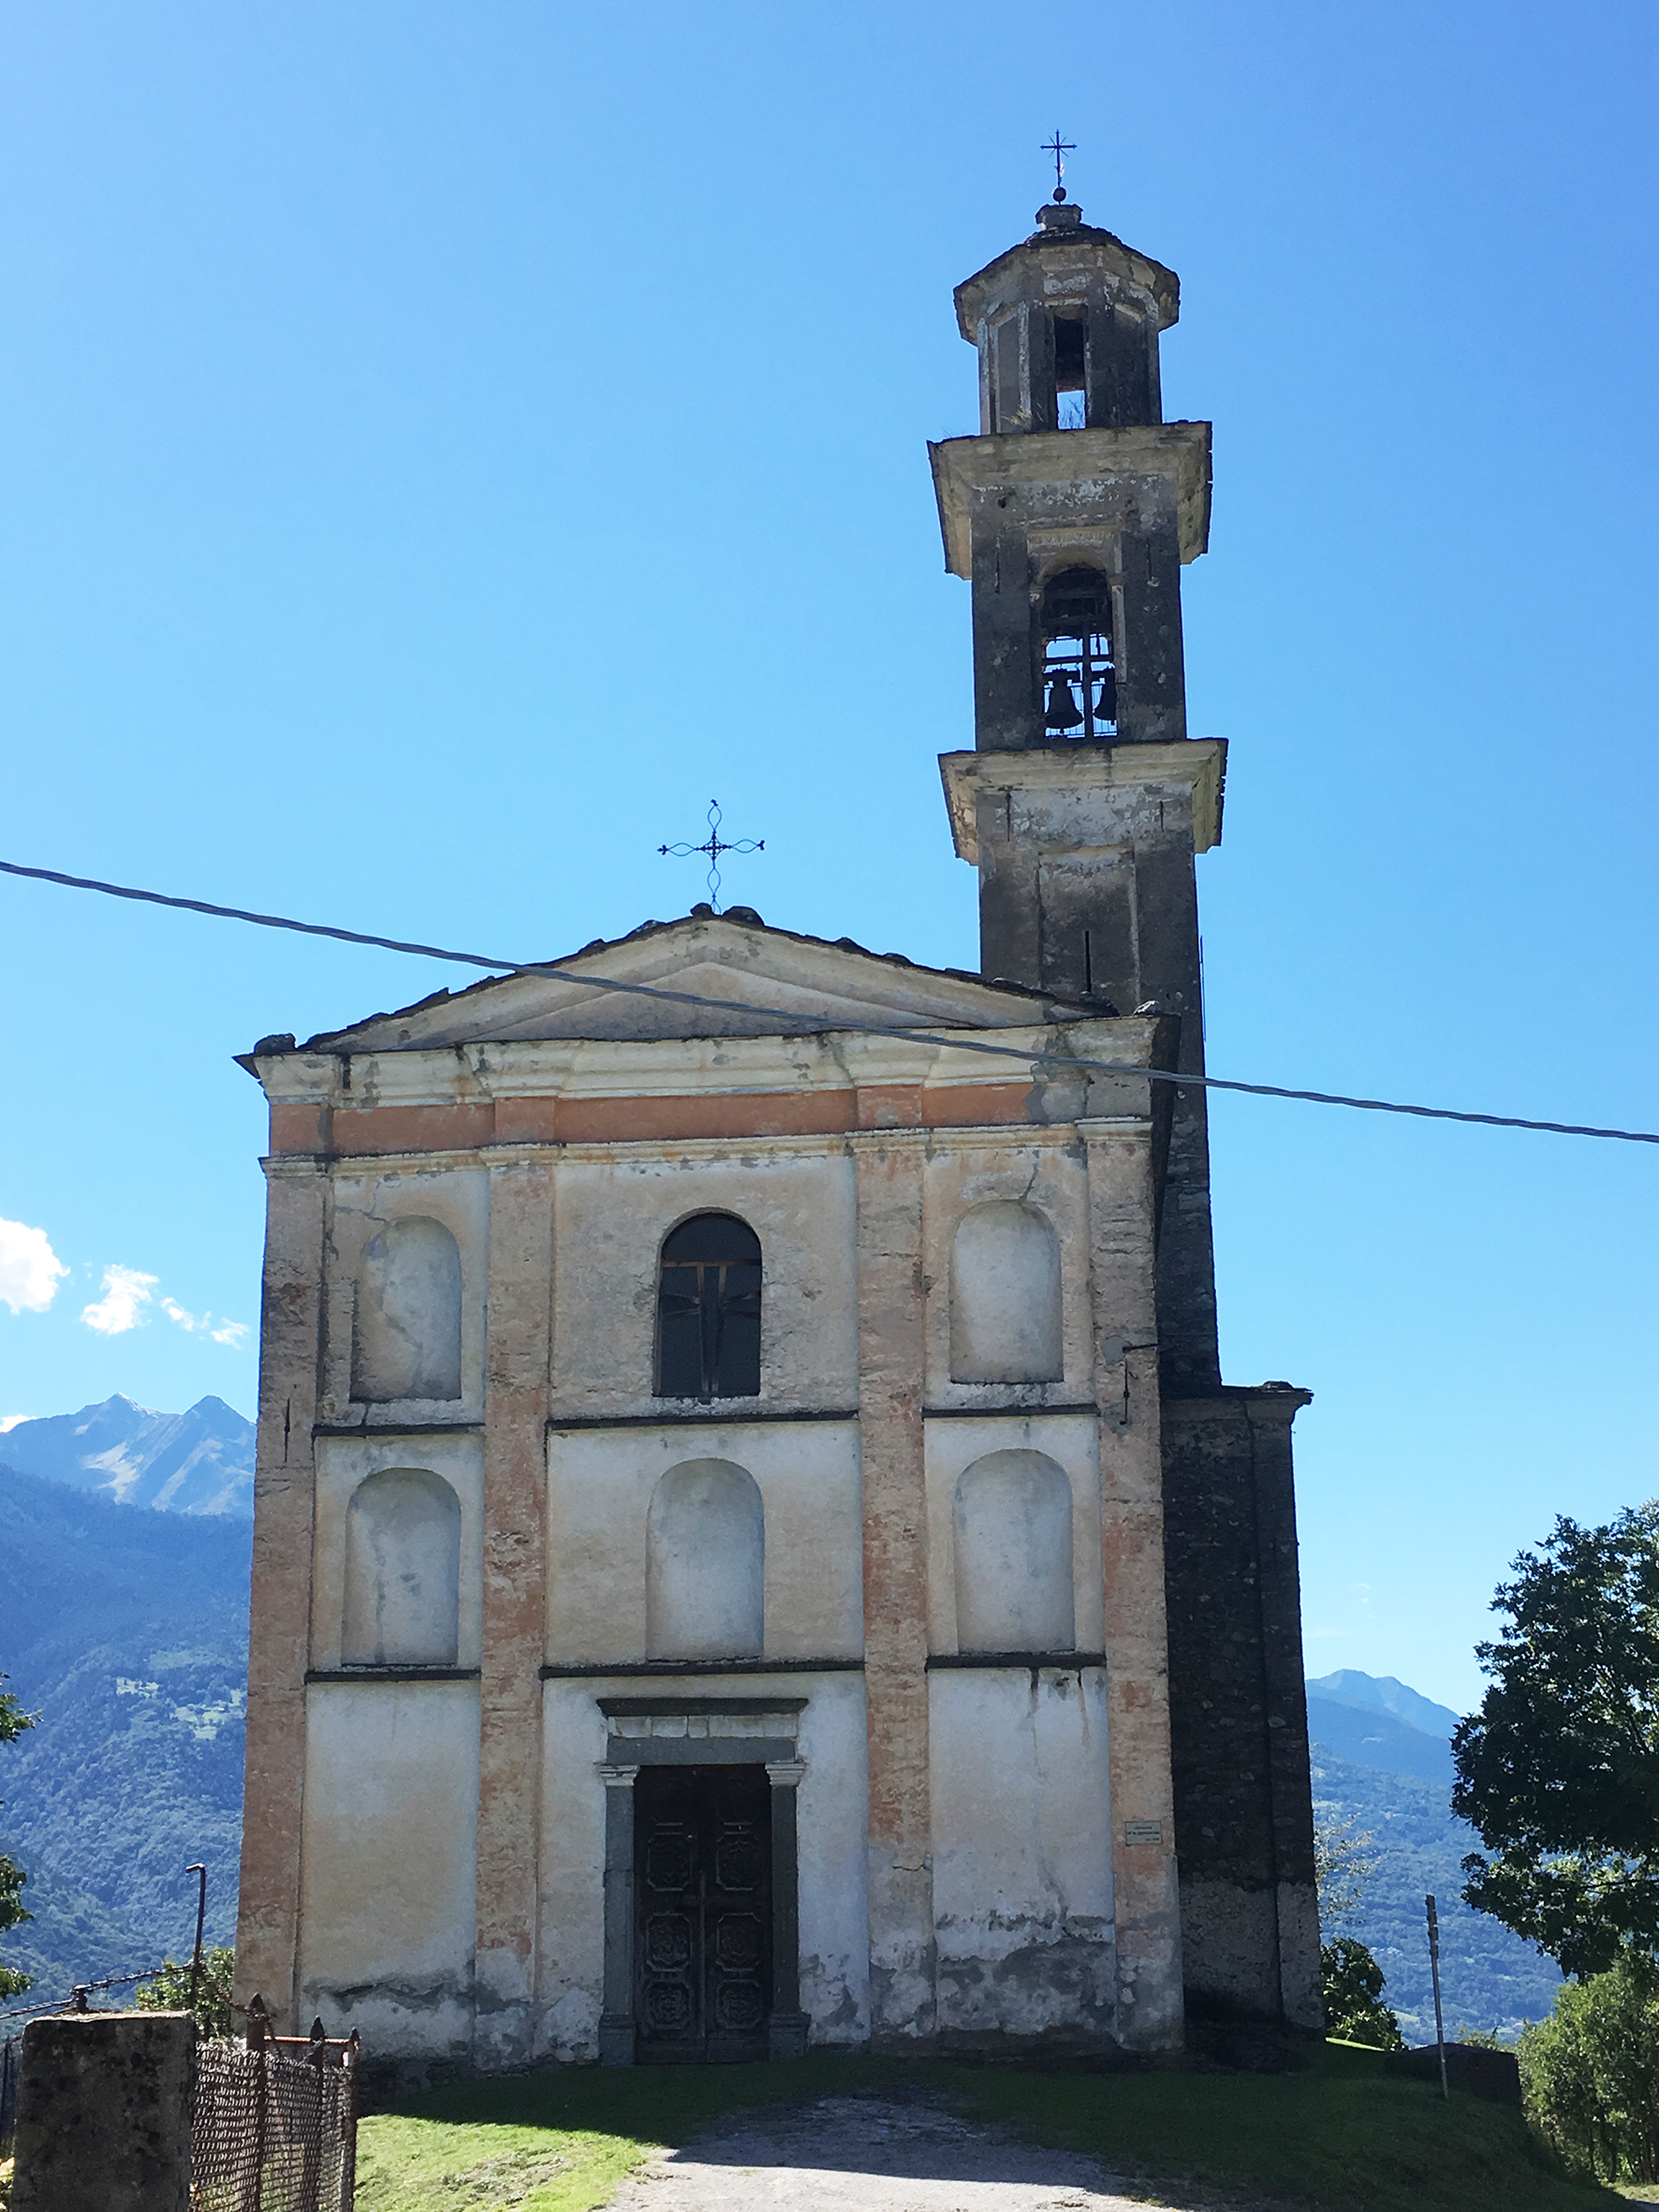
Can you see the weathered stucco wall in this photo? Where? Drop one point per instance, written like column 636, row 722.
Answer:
column 363, row 1207
column 967, row 1171
column 1022, row 1888
column 387, row 1927
column 601, row 1483
column 343, row 1462
column 616, row 1207
column 955, row 1445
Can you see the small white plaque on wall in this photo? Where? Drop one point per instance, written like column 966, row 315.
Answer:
column 1143, row 1831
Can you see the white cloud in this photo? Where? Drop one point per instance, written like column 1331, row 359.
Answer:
column 126, row 1292
column 230, row 1332
column 30, row 1270
column 12, row 1419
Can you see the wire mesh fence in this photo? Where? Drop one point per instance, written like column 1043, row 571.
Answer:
column 275, row 2128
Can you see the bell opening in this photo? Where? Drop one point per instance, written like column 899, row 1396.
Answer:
column 1079, row 690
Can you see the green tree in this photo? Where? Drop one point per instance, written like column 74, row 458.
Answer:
column 1590, row 2073
column 13, row 1721
column 1559, row 1770
column 1344, row 1859
column 1354, row 2008
column 168, row 1991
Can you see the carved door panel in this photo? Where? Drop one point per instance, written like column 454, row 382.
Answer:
column 702, row 1913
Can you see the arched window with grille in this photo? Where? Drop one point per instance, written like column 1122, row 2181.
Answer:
column 1079, row 668
column 708, row 1311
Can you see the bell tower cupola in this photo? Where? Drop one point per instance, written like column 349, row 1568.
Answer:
column 1066, row 325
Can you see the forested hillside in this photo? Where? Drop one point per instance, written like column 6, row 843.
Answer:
column 127, row 1629
column 1489, row 1979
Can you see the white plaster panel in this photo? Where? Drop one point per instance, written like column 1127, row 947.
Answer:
column 1022, row 1894
column 366, row 1201
column 831, row 1822
column 571, row 1943
column 832, row 1827
column 390, row 1848
column 965, row 1172
column 600, row 1487
column 953, row 1443
column 613, row 1213
column 342, row 1464
column 705, row 1563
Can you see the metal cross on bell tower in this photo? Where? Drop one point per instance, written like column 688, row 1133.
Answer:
column 1060, row 148
column 714, row 845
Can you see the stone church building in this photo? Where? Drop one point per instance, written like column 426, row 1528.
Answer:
column 753, row 1547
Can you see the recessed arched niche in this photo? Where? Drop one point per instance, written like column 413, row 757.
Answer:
column 402, row 1571
column 705, row 1563
column 1013, row 1554
column 405, row 1340
column 1004, row 1296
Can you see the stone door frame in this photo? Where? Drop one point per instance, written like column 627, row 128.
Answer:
column 701, row 1731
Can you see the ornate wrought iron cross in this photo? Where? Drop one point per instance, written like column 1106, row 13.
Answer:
column 1060, row 148
column 714, row 846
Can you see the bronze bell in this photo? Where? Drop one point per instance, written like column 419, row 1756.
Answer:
column 1106, row 708
column 1063, row 712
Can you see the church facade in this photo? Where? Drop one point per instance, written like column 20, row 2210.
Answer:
column 751, row 1547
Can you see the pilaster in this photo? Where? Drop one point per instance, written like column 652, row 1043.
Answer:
column 279, row 1627
column 787, row 2025
column 1146, row 1898
column 616, row 2022
column 516, row 1408
column 888, row 1166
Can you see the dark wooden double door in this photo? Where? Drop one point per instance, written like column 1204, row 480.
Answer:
column 702, row 1914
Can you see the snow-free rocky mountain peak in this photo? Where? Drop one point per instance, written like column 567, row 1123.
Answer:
column 196, row 1462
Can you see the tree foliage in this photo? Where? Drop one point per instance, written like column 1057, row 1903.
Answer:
column 1590, row 2073
column 1559, row 1770
column 1344, row 1859
column 1354, row 2008
column 170, row 1990
column 13, row 1721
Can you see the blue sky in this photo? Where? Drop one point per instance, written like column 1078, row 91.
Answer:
column 442, row 446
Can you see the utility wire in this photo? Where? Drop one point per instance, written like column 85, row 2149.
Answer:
column 797, row 1025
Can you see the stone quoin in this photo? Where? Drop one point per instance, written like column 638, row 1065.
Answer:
column 753, row 1549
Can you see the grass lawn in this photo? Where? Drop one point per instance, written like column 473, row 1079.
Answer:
column 1339, row 2137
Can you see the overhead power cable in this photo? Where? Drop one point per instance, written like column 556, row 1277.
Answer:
column 794, row 1024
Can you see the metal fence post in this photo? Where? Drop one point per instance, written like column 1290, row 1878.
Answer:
column 349, row 2066
column 260, row 2051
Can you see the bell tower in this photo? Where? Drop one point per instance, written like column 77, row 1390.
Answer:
column 1084, row 801
column 1084, row 805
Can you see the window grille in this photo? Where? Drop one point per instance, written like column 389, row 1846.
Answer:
column 708, row 1331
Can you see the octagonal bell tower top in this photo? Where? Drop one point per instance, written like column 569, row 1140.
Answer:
column 1066, row 325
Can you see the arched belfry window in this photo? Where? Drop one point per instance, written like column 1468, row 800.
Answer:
column 1079, row 668
column 708, row 1311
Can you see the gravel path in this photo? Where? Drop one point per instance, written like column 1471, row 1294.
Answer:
column 869, row 2153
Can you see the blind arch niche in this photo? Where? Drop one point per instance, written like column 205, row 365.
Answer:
column 405, row 1338
column 402, row 1571
column 705, row 1563
column 1004, row 1296
column 1013, row 1532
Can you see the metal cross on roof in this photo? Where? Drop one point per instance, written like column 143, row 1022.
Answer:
column 1060, row 148
column 714, row 846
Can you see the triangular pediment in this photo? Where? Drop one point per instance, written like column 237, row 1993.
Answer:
column 765, row 980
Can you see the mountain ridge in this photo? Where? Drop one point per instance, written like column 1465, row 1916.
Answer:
column 198, row 1461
